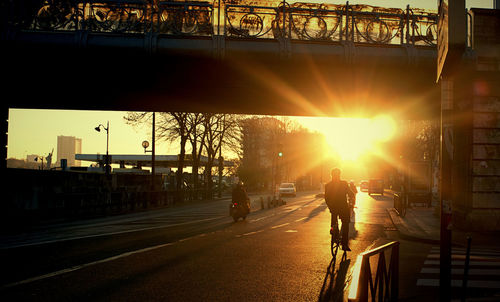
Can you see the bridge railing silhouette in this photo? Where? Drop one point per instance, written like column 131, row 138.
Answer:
column 232, row 19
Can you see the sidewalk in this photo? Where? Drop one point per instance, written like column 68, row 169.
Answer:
column 423, row 224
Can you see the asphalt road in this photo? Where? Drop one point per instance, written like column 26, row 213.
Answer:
column 197, row 253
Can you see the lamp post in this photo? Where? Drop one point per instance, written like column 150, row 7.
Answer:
column 41, row 158
column 98, row 129
column 145, row 145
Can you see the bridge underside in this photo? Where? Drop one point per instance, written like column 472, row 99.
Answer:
column 246, row 79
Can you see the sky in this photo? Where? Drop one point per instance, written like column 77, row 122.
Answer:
column 36, row 131
column 33, row 131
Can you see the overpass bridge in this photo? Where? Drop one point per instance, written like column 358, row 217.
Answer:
column 256, row 57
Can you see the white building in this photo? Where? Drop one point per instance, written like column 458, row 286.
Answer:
column 67, row 147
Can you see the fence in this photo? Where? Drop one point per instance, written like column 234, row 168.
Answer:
column 385, row 286
column 42, row 194
column 232, row 19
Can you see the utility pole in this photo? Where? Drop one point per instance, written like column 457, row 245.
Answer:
column 153, row 154
column 452, row 34
column 446, row 188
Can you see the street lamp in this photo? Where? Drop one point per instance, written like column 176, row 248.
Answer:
column 145, row 145
column 39, row 158
column 98, row 129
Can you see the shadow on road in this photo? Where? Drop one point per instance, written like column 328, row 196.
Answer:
column 335, row 282
column 316, row 211
column 381, row 197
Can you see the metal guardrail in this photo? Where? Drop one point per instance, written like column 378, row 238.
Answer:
column 235, row 19
column 385, row 286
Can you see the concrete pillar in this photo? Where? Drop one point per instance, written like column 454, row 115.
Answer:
column 4, row 136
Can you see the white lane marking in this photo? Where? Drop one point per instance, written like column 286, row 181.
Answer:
column 478, row 263
column 257, row 219
column 280, row 225
column 458, row 257
column 291, row 231
column 458, row 283
column 107, row 234
column 473, row 252
column 78, row 267
column 300, row 219
column 252, row 233
column 457, row 271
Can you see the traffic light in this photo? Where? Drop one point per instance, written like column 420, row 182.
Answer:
column 280, row 154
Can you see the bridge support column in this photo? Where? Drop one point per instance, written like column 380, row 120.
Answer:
column 219, row 46
column 4, row 135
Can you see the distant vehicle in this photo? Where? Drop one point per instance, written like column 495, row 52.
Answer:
column 376, row 186
column 287, row 188
column 363, row 185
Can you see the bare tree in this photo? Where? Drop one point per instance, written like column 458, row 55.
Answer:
column 196, row 138
column 219, row 131
column 171, row 126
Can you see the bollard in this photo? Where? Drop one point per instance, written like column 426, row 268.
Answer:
column 268, row 202
column 262, row 203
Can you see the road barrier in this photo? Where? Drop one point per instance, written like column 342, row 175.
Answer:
column 385, row 286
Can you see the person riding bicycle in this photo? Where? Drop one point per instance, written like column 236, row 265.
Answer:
column 336, row 192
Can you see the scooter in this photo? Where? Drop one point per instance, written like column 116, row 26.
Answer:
column 238, row 209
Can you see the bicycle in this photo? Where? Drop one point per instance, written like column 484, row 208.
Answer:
column 336, row 239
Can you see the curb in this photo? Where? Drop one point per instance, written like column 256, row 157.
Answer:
column 405, row 233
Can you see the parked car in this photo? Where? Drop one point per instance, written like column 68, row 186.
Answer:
column 376, row 186
column 363, row 186
column 287, row 188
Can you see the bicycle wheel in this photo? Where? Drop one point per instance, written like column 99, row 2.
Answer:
column 333, row 247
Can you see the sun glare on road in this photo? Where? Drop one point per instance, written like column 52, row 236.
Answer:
column 351, row 138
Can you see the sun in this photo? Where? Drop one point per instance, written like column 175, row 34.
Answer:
column 352, row 138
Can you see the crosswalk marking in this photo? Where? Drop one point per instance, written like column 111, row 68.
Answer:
column 458, row 283
column 462, row 262
column 457, row 271
column 484, row 268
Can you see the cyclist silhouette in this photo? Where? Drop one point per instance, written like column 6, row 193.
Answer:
column 336, row 192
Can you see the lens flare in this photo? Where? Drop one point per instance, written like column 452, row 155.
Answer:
column 351, row 138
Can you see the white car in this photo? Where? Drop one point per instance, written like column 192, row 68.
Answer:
column 288, row 188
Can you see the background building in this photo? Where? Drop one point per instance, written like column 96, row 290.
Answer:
column 67, row 147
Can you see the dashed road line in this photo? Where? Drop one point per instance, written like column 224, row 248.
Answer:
column 280, row 225
column 252, row 233
column 257, row 219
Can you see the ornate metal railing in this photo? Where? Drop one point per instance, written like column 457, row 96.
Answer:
column 185, row 18
column 236, row 19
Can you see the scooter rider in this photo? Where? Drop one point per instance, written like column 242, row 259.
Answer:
column 240, row 196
